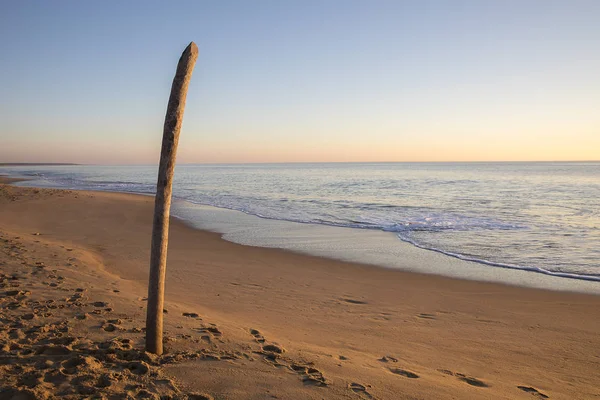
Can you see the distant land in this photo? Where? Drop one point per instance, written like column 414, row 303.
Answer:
column 29, row 164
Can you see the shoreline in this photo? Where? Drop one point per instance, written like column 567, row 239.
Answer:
column 250, row 228
column 357, row 325
column 458, row 267
column 190, row 225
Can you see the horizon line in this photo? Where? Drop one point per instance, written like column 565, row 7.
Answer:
column 33, row 164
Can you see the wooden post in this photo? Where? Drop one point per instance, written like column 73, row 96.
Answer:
column 162, row 203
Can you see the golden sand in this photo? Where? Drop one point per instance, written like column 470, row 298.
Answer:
column 253, row 323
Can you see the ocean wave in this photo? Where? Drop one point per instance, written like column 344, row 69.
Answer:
column 560, row 274
column 432, row 223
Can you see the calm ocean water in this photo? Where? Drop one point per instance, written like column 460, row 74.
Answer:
column 539, row 216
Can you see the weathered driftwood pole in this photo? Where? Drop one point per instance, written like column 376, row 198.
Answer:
column 162, row 203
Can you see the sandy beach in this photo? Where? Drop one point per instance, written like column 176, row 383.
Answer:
column 254, row 323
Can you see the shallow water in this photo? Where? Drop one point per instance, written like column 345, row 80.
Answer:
column 543, row 217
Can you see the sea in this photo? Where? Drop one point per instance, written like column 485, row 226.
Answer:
column 536, row 217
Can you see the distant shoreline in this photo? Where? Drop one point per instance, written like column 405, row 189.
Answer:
column 33, row 164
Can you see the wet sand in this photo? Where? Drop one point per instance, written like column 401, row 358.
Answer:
column 253, row 323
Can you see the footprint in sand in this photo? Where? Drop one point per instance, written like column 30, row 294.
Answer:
column 309, row 375
column 17, row 293
column 273, row 354
column 360, row 389
column 467, row 379
column 110, row 327
column 257, row 335
column 81, row 316
column 273, row 348
column 533, row 391
column 199, row 396
column 472, row 381
column 353, row 301
column 211, row 329
column 403, row 372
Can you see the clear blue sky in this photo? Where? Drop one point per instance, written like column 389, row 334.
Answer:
column 84, row 81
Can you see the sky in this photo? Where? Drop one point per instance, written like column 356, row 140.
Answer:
column 302, row 81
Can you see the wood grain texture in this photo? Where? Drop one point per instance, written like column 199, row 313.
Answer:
column 162, row 205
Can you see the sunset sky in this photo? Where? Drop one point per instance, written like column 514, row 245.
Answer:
column 293, row 81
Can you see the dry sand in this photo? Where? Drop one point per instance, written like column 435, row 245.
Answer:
column 253, row 323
